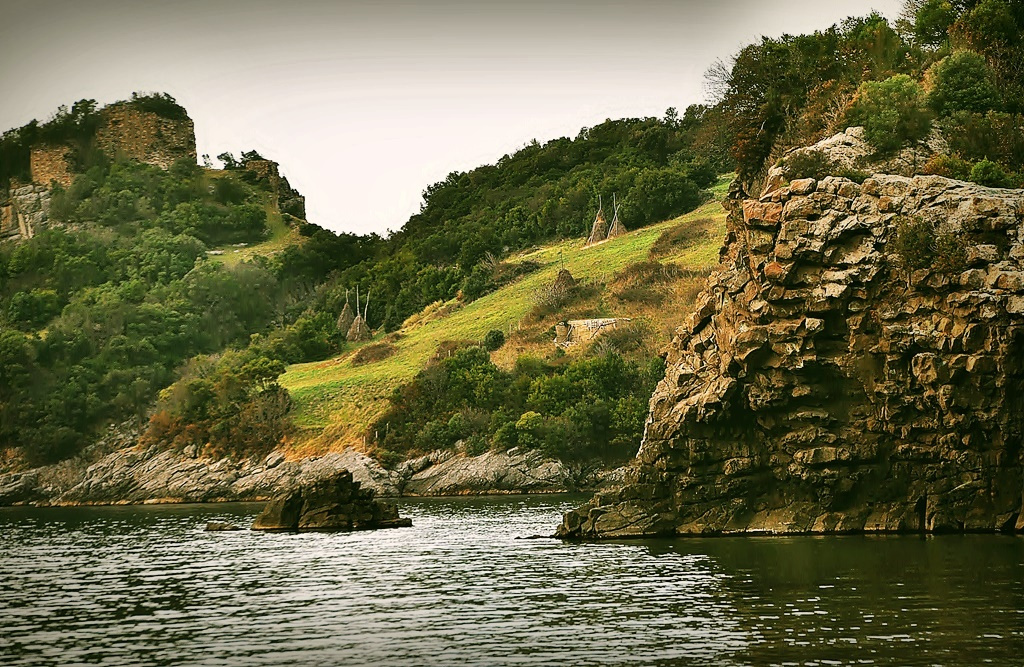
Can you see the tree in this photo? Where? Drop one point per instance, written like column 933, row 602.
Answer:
column 962, row 82
column 932, row 21
column 892, row 112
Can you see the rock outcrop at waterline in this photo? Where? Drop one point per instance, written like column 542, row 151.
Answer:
column 335, row 503
column 821, row 387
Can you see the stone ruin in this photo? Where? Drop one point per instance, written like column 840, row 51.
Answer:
column 577, row 332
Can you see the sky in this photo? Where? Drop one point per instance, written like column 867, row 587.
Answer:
column 366, row 103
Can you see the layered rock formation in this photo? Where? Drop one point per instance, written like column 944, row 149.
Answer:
column 115, row 471
column 822, row 387
column 335, row 503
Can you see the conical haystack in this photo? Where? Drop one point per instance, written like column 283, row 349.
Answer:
column 617, row 228
column 564, row 281
column 345, row 319
column 599, row 232
column 358, row 332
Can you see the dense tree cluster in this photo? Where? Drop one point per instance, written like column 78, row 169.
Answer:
column 953, row 64
column 588, row 408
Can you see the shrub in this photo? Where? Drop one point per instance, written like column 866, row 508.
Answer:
column 914, row 243
column 892, row 113
column 962, row 82
column 919, row 247
column 373, row 352
column 950, row 253
column 493, row 340
column 992, row 136
column 807, row 164
column 991, row 174
column 950, row 166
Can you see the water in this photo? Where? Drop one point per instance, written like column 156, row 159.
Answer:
column 146, row 586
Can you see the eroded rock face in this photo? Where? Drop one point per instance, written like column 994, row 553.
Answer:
column 334, row 503
column 820, row 388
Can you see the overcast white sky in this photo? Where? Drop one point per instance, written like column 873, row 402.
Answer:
column 366, row 103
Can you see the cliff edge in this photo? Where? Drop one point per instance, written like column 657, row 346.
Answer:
column 823, row 385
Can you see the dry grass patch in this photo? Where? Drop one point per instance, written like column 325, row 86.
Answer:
column 373, row 352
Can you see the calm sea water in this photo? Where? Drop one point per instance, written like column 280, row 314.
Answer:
column 146, row 586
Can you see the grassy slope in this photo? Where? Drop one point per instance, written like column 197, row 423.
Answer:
column 335, row 401
column 280, row 235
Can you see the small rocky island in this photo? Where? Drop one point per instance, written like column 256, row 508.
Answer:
column 334, row 503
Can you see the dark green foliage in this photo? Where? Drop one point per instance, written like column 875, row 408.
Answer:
column 587, row 409
column 660, row 194
column 992, row 136
column 776, row 91
column 493, row 340
column 121, row 313
column 892, row 112
column 962, row 82
column 991, row 174
column 161, row 104
column 130, row 196
column 932, row 21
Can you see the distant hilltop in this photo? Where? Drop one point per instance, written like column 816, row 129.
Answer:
column 148, row 128
column 153, row 129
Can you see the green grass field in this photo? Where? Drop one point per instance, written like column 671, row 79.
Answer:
column 336, row 401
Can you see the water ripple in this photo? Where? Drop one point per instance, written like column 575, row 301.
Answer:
column 146, row 586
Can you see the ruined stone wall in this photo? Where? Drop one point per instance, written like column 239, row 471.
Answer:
column 820, row 387
column 145, row 136
column 51, row 163
column 286, row 198
column 25, row 213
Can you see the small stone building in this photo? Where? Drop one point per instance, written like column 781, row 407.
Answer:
column 575, row 332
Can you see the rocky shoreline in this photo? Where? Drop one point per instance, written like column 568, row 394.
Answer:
column 122, row 473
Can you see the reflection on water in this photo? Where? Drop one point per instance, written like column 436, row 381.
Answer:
column 145, row 585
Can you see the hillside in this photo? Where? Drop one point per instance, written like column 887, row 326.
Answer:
column 336, row 401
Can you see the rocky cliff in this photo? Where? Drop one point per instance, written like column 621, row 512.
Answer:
column 823, row 386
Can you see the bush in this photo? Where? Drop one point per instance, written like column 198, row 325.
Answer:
column 373, row 352
column 950, row 166
column 962, row 82
column 892, row 113
column 915, row 243
column 991, row 174
column 493, row 340
column 919, row 247
column 807, row 164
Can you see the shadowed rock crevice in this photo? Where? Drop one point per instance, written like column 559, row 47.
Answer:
column 823, row 386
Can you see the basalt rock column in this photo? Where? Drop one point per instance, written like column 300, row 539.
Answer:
column 821, row 386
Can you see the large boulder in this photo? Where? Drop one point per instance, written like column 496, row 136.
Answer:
column 334, row 503
column 823, row 385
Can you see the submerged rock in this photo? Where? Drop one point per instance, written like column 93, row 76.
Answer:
column 221, row 526
column 823, row 386
column 335, row 503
